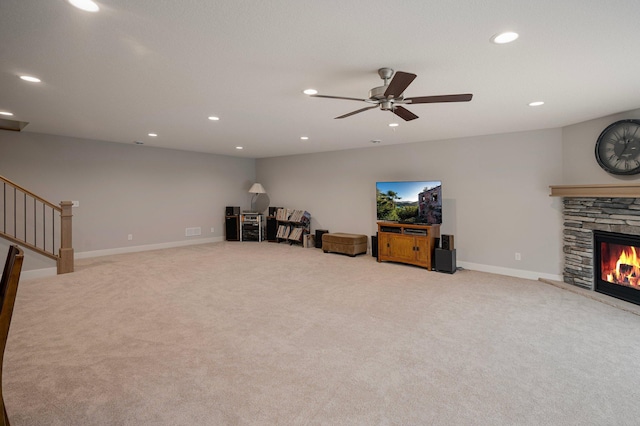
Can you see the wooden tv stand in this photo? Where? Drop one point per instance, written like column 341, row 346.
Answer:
column 406, row 243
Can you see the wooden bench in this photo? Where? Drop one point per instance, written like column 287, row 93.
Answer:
column 340, row 242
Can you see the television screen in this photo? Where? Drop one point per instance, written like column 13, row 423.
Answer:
column 417, row 202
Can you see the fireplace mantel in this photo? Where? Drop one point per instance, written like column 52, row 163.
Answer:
column 617, row 190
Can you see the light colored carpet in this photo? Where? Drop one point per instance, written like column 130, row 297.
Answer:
column 260, row 333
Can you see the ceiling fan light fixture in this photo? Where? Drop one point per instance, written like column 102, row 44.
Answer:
column 390, row 97
column 503, row 38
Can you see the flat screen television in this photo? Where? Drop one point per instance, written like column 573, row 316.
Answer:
column 418, row 202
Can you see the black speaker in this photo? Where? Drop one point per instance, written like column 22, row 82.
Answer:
column 374, row 246
column 319, row 233
column 232, row 228
column 272, row 229
column 436, row 243
column 232, row 211
column 447, row 242
column 445, row 260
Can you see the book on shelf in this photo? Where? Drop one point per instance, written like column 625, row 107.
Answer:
column 308, row 241
column 296, row 234
column 291, row 215
column 305, row 217
column 283, row 231
column 283, row 214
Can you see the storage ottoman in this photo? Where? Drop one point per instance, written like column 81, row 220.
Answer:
column 339, row 242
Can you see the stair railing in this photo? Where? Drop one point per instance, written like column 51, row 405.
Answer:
column 37, row 224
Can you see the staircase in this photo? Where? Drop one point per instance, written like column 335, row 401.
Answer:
column 37, row 224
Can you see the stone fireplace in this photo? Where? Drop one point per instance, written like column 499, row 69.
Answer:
column 587, row 209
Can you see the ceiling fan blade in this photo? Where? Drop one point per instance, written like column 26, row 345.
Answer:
column 337, row 97
column 399, row 82
column 441, row 98
column 404, row 113
column 356, row 112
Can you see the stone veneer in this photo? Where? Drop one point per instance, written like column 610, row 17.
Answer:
column 584, row 215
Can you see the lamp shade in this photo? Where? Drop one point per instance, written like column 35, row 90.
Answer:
column 257, row 188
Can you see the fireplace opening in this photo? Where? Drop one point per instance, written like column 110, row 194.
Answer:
column 617, row 265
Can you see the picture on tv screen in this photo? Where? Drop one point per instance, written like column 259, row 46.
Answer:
column 417, row 202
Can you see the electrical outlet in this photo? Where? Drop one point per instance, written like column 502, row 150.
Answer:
column 75, row 204
column 518, row 256
column 130, row 237
column 212, row 229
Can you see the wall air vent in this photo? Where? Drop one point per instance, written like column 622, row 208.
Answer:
column 192, row 232
column 13, row 125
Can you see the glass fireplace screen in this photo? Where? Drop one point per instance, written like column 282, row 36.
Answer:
column 619, row 264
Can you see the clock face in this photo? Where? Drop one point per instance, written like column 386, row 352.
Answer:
column 618, row 148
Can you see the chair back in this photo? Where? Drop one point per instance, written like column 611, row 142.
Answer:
column 8, row 290
column 5, row 272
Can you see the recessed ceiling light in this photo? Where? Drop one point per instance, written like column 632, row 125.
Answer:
column 5, row 113
column 30, row 78
column 304, row 138
column 506, row 37
column 393, row 124
column 153, row 135
column 536, row 103
column 239, row 147
column 310, row 91
column 213, row 118
column 86, row 5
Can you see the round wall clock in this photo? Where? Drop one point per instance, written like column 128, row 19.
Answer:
column 618, row 148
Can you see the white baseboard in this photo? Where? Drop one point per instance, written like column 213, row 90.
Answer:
column 38, row 273
column 47, row 272
column 148, row 247
column 50, row 272
column 520, row 273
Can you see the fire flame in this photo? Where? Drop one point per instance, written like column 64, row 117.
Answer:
column 627, row 269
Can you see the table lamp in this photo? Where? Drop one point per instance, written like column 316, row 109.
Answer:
column 256, row 189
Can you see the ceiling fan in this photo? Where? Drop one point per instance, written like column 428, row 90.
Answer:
column 389, row 97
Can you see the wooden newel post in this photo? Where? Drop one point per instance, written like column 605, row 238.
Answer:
column 65, row 258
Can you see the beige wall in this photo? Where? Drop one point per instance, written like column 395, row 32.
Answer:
column 495, row 193
column 123, row 189
column 495, row 189
column 579, row 141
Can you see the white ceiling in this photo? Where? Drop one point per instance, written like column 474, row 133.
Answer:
column 164, row 66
